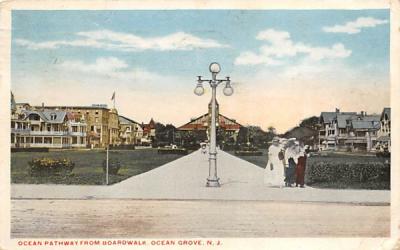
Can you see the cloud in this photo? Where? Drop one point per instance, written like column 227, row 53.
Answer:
column 108, row 68
column 354, row 27
column 280, row 46
column 110, row 40
column 102, row 65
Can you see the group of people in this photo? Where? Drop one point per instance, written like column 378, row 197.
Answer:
column 286, row 163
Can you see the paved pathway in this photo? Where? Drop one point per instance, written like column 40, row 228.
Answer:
column 185, row 178
column 194, row 218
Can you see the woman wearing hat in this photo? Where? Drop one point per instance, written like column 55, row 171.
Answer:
column 274, row 171
column 291, row 156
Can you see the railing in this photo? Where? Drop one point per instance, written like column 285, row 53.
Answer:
column 20, row 130
column 78, row 133
column 43, row 145
column 49, row 133
column 80, row 124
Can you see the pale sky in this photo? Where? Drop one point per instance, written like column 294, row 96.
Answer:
column 285, row 65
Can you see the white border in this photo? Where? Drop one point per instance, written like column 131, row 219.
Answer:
column 259, row 243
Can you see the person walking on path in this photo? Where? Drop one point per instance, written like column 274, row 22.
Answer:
column 301, row 168
column 274, row 171
column 291, row 155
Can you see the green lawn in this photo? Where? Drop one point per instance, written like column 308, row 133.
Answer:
column 260, row 160
column 88, row 168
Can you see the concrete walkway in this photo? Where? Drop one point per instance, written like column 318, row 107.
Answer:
column 185, row 178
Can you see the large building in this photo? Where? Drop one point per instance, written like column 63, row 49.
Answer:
column 349, row 131
column 202, row 124
column 47, row 129
column 102, row 123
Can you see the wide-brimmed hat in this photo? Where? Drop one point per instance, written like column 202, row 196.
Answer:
column 276, row 139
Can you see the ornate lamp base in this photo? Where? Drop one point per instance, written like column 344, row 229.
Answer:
column 213, row 182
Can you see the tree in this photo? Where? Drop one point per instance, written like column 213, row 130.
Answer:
column 310, row 122
column 271, row 130
column 242, row 135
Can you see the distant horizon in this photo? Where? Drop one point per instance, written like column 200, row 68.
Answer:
column 285, row 65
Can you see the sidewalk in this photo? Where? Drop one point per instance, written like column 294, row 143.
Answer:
column 185, row 178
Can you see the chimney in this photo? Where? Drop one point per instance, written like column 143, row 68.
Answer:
column 362, row 113
column 337, row 110
column 42, row 106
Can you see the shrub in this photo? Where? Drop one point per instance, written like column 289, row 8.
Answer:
column 113, row 166
column 49, row 166
column 351, row 172
column 178, row 151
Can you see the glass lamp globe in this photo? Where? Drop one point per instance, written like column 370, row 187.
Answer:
column 228, row 90
column 199, row 90
column 215, row 68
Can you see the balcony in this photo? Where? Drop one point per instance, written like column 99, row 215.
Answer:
column 20, row 131
column 79, row 124
column 43, row 145
column 49, row 133
column 83, row 134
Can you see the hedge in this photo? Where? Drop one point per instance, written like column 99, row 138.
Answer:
column 358, row 172
column 178, row 151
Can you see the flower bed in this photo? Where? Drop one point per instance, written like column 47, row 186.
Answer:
column 49, row 166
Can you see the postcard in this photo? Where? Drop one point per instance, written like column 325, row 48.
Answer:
column 200, row 125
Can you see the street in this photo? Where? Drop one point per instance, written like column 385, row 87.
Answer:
column 119, row 218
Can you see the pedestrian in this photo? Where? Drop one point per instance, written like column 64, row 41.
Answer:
column 274, row 171
column 301, row 167
column 291, row 155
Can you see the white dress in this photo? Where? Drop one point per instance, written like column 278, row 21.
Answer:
column 276, row 176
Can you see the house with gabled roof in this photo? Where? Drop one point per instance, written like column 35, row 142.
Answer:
column 384, row 142
column 130, row 131
column 348, row 131
column 201, row 124
column 48, row 129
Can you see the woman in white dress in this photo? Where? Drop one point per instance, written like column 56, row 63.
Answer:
column 274, row 174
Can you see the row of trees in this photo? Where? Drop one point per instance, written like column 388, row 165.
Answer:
column 307, row 131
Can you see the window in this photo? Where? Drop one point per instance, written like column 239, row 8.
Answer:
column 96, row 119
column 92, row 128
column 53, row 116
column 38, row 140
column 48, row 140
column 97, row 112
column 34, row 117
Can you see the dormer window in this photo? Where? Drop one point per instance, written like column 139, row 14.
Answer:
column 53, row 116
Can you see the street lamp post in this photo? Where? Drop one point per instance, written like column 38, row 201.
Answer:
column 212, row 179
